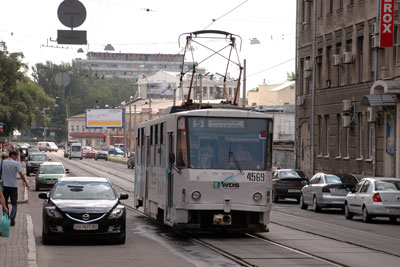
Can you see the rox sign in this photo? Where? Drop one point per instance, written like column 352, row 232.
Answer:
column 386, row 23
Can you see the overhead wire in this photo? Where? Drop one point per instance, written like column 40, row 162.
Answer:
column 214, row 20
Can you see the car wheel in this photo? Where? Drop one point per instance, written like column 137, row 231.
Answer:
column 106, row 159
column 28, row 173
column 274, row 197
column 81, row 158
column 37, row 188
column 316, row 207
column 347, row 213
column 120, row 240
column 70, row 158
column 366, row 217
column 393, row 219
column 95, row 158
column 303, row 205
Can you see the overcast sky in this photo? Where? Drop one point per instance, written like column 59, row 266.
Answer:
column 153, row 26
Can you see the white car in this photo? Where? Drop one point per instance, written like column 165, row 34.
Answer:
column 374, row 197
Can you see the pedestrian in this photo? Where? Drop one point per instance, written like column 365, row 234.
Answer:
column 9, row 170
column 2, row 200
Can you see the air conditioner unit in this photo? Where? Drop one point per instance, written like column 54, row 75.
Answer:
column 375, row 41
column 347, row 106
column 308, row 65
column 301, row 100
column 347, row 58
column 346, row 121
column 371, row 114
column 337, row 60
column 376, row 28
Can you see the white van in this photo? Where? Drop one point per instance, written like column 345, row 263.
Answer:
column 75, row 151
column 47, row 146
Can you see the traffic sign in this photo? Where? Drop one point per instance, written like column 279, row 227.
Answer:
column 71, row 37
column 62, row 79
column 71, row 13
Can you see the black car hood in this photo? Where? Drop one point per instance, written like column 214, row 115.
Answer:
column 85, row 206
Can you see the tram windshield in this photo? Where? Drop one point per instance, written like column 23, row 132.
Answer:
column 227, row 143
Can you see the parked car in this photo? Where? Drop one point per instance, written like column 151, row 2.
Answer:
column 101, row 155
column 83, row 207
column 287, row 183
column 301, row 173
column 374, row 197
column 120, row 146
column 115, row 151
column 131, row 160
column 34, row 161
column 48, row 174
column 33, row 149
column 327, row 190
column 75, row 151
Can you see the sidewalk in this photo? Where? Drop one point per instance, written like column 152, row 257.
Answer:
column 19, row 250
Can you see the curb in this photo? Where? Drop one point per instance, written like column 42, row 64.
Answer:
column 31, row 242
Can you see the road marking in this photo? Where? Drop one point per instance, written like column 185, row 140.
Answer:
column 31, row 242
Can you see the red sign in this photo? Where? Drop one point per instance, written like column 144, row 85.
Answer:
column 387, row 21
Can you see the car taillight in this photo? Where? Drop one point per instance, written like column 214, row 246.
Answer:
column 376, row 198
column 278, row 184
column 325, row 189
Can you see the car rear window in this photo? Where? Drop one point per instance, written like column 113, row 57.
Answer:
column 84, row 190
column 37, row 157
column 289, row 174
column 387, row 185
column 340, row 179
column 51, row 169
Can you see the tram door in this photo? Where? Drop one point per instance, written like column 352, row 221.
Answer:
column 146, row 191
column 170, row 180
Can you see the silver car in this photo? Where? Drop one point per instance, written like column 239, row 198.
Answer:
column 374, row 197
column 327, row 191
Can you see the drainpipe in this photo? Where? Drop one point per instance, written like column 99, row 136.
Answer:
column 296, row 88
column 314, row 52
column 378, row 14
column 398, row 138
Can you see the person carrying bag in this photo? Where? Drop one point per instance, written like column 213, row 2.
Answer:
column 4, row 225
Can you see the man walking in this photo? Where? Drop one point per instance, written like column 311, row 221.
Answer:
column 9, row 170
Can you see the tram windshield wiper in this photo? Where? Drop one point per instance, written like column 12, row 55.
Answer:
column 233, row 157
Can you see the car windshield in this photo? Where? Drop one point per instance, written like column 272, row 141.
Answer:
column 37, row 157
column 84, row 190
column 387, row 185
column 33, row 149
column 288, row 174
column 51, row 169
column 220, row 143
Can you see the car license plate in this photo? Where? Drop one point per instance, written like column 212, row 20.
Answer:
column 394, row 210
column 86, row 227
column 293, row 190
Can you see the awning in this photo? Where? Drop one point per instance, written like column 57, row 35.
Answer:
column 378, row 101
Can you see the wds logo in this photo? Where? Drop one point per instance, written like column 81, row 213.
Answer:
column 226, row 183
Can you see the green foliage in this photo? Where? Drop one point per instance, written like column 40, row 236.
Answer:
column 21, row 100
column 254, row 90
column 290, row 76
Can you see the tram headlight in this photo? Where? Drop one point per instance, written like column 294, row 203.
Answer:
column 257, row 196
column 196, row 195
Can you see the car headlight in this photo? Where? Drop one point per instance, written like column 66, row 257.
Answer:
column 257, row 196
column 196, row 195
column 116, row 213
column 52, row 212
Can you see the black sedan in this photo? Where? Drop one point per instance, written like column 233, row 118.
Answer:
column 101, row 155
column 83, row 207
column 287, row 183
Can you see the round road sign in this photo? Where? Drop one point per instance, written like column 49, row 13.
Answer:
column 71, row 13
column 62, row 79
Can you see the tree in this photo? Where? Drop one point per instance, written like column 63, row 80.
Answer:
column 291, row 76
column 21, row 100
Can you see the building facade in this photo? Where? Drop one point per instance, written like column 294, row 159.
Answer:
column 353, row 97
column 273, row 94
column 130, row 65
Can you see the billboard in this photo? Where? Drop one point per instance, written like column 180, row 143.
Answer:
column 160, row 90
column 387, row 23
column 100, row 118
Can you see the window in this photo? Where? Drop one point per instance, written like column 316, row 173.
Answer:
column 321, row 8
column 339, row 68
column 340, row 7
column 349, row 67
column 397, row 43
column 162, row 133
column 358, row 186
column 319, row 68
column 151, row 135
column 320, row 135
column 360, row 135
column 72, row 128
column 348, row 142
column 364, row 188
column 156, row 134
column 338, row 135
column 330, row 10
column 329, row 66
column 371, row 141
column 360, row 59
column 327, row 135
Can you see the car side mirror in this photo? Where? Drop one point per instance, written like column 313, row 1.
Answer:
column 43, row 196
column 123, row 196
column 66, row 170
column 49, row 159
column 171, row 158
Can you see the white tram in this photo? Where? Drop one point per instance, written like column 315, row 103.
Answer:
column 202, row 167
column 206, row 169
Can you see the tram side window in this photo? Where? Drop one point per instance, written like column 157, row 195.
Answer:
column 137, row 158
column 142, row 145
column 156, row 151
column 182, row 153
column 162, row 145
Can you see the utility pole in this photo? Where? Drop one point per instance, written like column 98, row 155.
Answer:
column 244, row 83
column 150, row 109
column 130, row 128
column 314, row 52
column 125, row 152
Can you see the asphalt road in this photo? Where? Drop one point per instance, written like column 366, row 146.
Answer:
column 297, row 237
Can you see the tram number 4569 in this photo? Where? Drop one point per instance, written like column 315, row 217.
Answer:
column 256, row 177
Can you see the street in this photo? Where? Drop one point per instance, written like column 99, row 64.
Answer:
column 297, row 237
